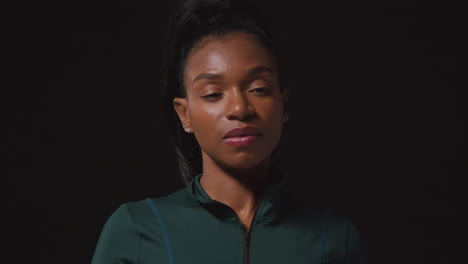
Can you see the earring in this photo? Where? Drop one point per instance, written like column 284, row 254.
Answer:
column 285, row 118
column 187, row 129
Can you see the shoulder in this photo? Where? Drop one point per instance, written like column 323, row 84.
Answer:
column 337, row 233
column 335, row 224
column 120, row 219
column 152, row 207
column 120, row 238
column 142, row 216
column 305, row 214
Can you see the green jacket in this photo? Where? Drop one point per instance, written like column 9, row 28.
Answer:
column 189, row 227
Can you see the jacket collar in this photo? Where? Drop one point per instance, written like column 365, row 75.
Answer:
column 270, row 209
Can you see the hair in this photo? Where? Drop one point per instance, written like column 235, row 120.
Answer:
column 190, row 22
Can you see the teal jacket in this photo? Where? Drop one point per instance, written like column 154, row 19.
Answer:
column 187, row 227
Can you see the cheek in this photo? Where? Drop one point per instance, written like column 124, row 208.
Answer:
column 274, row 110
column 204, row 118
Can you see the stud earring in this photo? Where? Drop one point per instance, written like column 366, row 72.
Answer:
column 285, row 118
column 187, row 129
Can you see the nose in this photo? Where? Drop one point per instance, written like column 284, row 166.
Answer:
column 238, row 106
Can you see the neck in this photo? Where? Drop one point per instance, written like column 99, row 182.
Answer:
column 240, row 189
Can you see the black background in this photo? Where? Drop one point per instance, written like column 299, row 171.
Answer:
column 377, row 127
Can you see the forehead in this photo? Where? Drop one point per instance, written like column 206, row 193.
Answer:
column 235, row 52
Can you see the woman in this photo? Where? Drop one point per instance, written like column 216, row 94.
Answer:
column 225, row 90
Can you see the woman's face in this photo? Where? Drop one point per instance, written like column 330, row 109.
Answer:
column 232, row 83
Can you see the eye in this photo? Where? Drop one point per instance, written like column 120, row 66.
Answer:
column 262, row 90
column 211, row 96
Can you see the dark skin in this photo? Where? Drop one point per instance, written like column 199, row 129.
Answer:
column 240, row 78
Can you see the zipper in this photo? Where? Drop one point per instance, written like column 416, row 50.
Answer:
column 246, row 247
column 246, row 238
column 246, row 235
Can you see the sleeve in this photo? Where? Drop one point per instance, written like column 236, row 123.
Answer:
column 356, row 249
column 119, row 241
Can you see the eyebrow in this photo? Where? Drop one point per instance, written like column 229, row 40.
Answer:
column 217, row 76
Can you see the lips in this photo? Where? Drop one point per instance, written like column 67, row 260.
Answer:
column 242, row 132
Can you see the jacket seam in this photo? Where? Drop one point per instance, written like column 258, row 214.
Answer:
column 139, row 234
column 163, row 228
column 324, row 232
column 346, row 242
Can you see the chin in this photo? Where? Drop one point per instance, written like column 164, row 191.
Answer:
column 245, row 161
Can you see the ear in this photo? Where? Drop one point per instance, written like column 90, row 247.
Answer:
column 181, row 108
